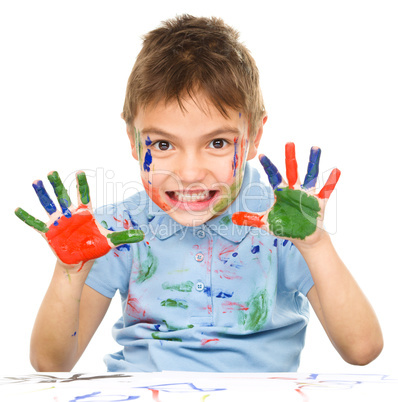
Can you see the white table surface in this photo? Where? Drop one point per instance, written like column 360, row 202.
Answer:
column 189, row 386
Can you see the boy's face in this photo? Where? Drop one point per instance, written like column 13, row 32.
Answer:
column 192, row 162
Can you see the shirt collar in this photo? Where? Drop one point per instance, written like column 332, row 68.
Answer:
column 254, row 196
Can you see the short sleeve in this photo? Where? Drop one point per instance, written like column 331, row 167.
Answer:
column 111, row 272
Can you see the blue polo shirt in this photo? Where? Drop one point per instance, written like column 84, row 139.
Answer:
column 215, row 297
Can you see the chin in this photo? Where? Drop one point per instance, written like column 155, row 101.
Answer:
column 191, row 220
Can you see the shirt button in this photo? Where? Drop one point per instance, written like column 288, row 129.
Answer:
column 201, row 234
column 199, row 257
column 199, row 286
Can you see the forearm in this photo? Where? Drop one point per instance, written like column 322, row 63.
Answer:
column 343, row 309
column 55, row 336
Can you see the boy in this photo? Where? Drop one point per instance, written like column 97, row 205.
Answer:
column 200, row 292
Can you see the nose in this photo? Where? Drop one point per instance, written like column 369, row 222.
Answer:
column 191, row 168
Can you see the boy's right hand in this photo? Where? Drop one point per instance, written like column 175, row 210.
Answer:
column 73, row 233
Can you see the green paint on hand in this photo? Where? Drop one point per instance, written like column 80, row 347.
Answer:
column 294, row 214
column 59, row 189
column 156, row 335
column 256, row 315
column 173, row 328
column 83, row 188
column 31, row 221
column 174, row 303
column 104, row 224
column 179, row 287
column 126, row 236
column 148, row 267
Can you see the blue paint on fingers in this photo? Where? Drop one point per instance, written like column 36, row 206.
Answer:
column 44, row 198
column 273, row 174
column 313, row 168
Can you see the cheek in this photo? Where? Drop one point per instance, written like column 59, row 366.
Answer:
column 154, row 194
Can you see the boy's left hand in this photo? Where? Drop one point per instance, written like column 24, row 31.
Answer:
column 297, row 213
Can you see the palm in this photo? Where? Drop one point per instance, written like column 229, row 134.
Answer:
column 74, row 234
column 297, row 212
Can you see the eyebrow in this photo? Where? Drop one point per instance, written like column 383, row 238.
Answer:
column 217, row 132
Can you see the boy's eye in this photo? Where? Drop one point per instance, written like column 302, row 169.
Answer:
column 218, row 143
column 162, row 145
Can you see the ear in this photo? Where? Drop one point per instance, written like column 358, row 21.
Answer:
column 256, row 141
column 132, row 142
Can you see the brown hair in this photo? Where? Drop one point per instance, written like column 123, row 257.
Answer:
column 187, row 54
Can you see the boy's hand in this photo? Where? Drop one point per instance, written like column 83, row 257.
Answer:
column 297, row 213
column 73, row 234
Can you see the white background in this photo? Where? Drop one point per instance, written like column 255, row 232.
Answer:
column 329, row 78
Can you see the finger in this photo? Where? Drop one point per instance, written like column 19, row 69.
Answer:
column 126, row 236
column 313, row 168
column 291, row 164
column 274, row 177
column 329, row 186
column 31, row 221
column 44, row 198
column 248, row 219
column 60, row 192
column 83, row 188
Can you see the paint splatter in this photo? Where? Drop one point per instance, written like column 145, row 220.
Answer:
column 148, row 267
column 157, row 335
column 133, row 308
column 224, row 295
column 236, row 157
column 174, row 328
column 233, row 306
column 255, row 249
column 226, row 220
column 206, row 341
column 255, row 316
column 179, row 287
column 148, row 156
column 248, row 219
column 174, row 303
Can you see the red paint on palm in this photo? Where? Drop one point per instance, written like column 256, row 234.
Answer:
column 77, row 238
column 248, row 219
column 329, row 186
column 291, row 164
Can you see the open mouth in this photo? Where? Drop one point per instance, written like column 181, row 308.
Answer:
column 192, row 199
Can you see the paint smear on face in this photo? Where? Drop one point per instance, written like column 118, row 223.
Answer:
column 236, row 157
column 154, row 195
column 148, row 157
